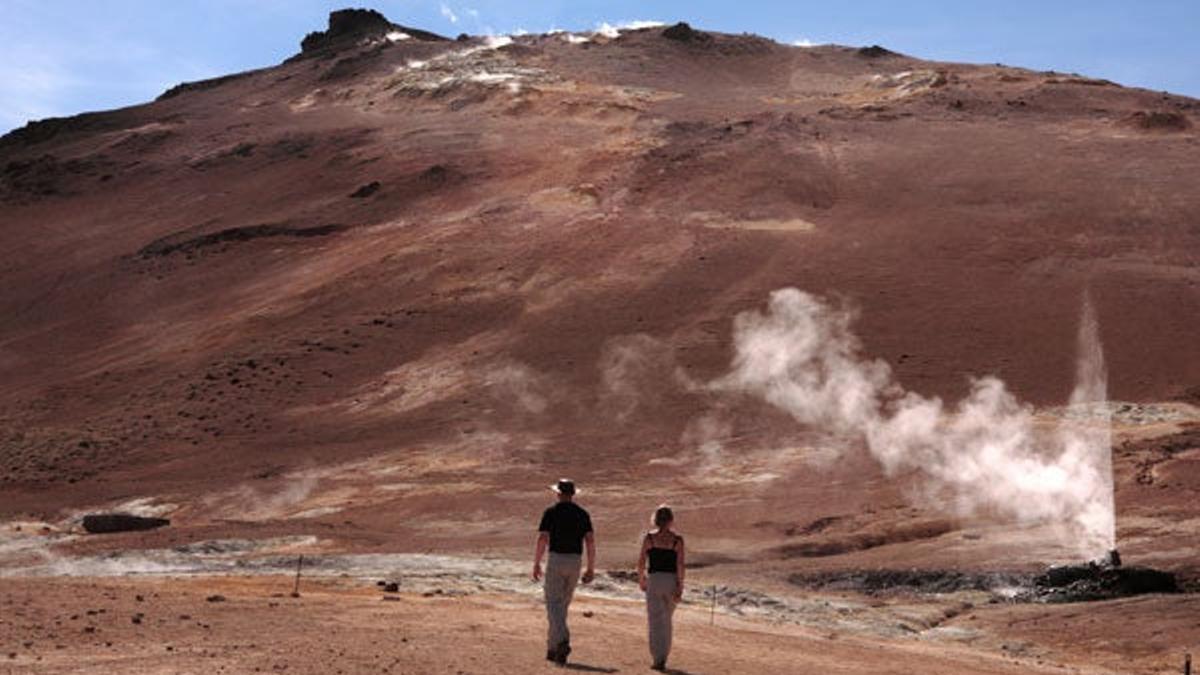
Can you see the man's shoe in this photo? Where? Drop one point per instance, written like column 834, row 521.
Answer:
column 551, row 655
column 660, row 666
column 560, row 655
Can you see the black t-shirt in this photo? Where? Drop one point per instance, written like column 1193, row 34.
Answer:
column 567, row 523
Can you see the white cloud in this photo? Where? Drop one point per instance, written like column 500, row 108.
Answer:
column 804, row 42
column 449, row 13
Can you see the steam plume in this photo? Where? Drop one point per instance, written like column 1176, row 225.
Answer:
column 801, row 356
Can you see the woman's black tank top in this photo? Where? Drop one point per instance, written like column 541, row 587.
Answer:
column 662, row 559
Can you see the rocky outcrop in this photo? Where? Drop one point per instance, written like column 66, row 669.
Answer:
column 348, row 27
column 108, row 523
column 682, row 32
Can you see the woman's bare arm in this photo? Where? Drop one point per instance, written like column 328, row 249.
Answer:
column 642, row 562
column 679, row 567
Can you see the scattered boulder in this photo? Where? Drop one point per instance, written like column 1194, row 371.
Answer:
column 215, row 598
column 107, row 523
column 682, row 32
column 391, row 587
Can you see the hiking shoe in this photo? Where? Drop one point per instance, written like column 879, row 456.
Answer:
column 660, row 666
column 560, row 655
column 551, row 655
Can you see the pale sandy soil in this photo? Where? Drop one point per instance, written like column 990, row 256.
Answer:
column 163, row 625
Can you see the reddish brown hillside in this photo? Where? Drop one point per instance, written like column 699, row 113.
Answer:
column 501, row 255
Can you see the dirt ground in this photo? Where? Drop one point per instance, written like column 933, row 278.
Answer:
column 175, row 626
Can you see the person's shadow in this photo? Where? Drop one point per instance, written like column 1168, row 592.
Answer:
column 589, row 669
column 600, row 669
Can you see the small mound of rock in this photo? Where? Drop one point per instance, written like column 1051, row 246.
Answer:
column 875, row 52
column 919, row 581
column 348, row 27
column 1082, row 583
column 1157, row 120
column 682, row 32
column 107, row 523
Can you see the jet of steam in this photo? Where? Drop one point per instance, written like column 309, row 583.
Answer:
column 801, row 356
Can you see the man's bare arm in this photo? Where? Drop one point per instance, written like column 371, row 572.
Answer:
column 589, row 541
column 539, row 552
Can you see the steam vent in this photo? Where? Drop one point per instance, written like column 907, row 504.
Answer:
column 294, row 358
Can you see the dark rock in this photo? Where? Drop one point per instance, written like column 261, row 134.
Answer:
column 173, row 244
column 623, row 575
column 215, row 598
column 1101, row 580
column 881, row 581
column 39, row 131
column 1079, row 583
column 348, row 27
column 366, row 190
column 201, row 85
column 436, row 174
column 106, row 523
column 682, row 32
column 391, row 587
column 1154, row 120
column 875, row 52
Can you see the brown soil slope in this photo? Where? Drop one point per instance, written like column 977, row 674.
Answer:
column 441, row 251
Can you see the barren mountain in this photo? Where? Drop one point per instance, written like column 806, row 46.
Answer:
column 384, row 292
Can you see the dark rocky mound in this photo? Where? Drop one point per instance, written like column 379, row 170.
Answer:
column 1080, row 583
column 1067, row 583
column 366, row 190
column 201, row 85
column 877, row 582
column 682, row 32
column 875, row 52
column 40, row 131
column 172, row 244
column 1154, row 120
column 107, row 523
column 347, row 27
column 47, row 175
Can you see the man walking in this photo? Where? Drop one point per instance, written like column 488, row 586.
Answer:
column 565, row 528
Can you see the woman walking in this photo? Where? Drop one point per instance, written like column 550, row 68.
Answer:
column 662, row 580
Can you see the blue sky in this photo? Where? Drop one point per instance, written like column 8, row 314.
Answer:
column 60, row 57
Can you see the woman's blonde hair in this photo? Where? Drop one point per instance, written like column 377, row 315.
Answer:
column 662, row 516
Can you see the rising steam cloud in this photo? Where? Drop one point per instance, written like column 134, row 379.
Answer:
column 801, row 356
